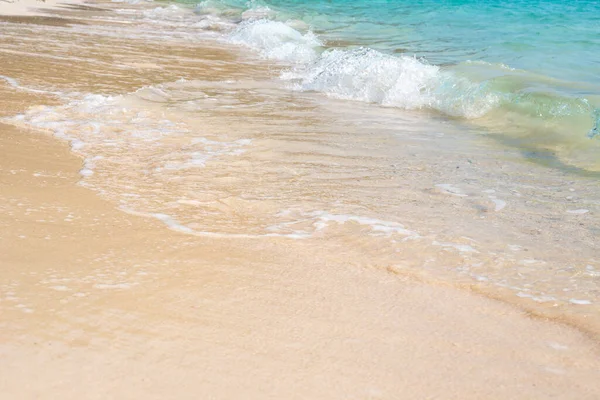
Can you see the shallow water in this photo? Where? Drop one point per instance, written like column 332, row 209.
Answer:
column 550, row 38
column 210, row 140
column 526, row 70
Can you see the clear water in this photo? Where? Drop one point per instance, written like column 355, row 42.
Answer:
column 555, row 38
column 526, row 72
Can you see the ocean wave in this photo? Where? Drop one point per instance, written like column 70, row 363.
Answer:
column 276, row 40
column 394, row 81
column 473, row 89
column 409, row 83
column 364, row 74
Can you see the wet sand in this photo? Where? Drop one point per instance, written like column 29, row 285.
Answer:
column 98, row 303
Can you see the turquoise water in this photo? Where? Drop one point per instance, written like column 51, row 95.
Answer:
column 554, row 38
column 527, row 72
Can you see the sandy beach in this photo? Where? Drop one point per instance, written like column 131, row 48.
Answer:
column 28, row 8
column 114, row 285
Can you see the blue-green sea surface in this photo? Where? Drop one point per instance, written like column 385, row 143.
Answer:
column 526, row 72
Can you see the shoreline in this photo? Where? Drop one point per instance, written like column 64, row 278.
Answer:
column 166, row 303
column 89, row 313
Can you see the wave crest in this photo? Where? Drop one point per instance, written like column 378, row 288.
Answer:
column 470, row 90
column 276, row 40
column 393, row 81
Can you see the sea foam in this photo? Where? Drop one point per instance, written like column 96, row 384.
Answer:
column 364, row 74
column 113, row 129
column 394, row 81
column 276, row 40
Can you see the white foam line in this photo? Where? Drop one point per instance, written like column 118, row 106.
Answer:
column 11, row 81
column 580, row 302
column 462, row 248
column 322, row 219
column 539, row 299
column 579, row 211
column 377, row 225
column 14, row 83
column 175, row 225
column 449, row 189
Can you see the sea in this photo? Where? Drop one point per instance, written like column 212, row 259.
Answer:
column 524, row 71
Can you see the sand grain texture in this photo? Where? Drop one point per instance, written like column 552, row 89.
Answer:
column 96, row 303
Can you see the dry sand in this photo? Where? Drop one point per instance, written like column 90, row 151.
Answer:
column 97, row 304
column 33, row 7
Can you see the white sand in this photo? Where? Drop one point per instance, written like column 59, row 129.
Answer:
column 31, row 7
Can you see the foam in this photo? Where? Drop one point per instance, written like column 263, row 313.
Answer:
column 226, row 10
column 558, row 346
column 276, row 40
column 378, row 226
column 213, row 23
column 539, row 299
column 447, row 188
column 168, row 12
column 578, row 211
column 15, row 84
column 11, row 81
column 211, row 149
column 258, row 12
column 400, row 81
column 302, row 225
column 580, row 302
column 112, row 128
column 501, row 66
column 172, row 223
column 69, row 127
column 394, row 81
column 311, row 222
column 212, row 7
column 462, row 248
